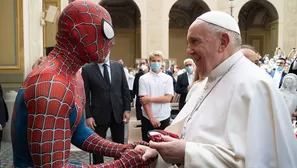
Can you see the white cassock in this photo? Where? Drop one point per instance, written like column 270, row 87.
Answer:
column 238, row 118
column 198, row 85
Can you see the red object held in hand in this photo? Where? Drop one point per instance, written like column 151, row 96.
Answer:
column 156, row 135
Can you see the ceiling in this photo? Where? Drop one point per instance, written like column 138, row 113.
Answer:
column 184, row 12
column 124, row 13
column 257, row 13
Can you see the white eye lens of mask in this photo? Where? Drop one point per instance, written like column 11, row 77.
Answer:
column 107, row 29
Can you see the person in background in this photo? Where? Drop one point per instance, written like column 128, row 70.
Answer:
column 278, row 73
column 171, row 72
column 3, row 114
column 40, row 59
column 107, row 100
column 129, row 77
column 48, row 50
column 125, row 68
column 143, row 68
column 156, row 92
column 38, row 62
column 293, row 67
column 184, row 81
column 250, row 53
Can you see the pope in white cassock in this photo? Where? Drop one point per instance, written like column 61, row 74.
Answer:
column 237, row 118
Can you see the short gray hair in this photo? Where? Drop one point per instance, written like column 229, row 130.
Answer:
column 235, row 38
column 188, row 60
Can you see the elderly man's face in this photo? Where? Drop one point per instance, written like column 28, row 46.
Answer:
column 142, row 62
column 203, row 47
column 188, row 63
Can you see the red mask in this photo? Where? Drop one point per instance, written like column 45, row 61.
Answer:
column 85, row 31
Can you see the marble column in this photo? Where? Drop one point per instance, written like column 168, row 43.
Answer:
column 63, row 4
column 144, row 52
column 287, row 27
column 144, row 25
column 33, row 33
column 155, row 29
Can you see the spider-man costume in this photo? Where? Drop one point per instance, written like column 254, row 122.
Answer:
column 49, row 108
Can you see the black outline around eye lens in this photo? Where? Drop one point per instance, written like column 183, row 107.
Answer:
column 102, row 28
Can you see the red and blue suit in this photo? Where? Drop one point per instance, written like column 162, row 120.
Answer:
column 49, row 108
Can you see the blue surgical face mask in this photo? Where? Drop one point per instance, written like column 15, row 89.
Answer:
column 279, row 68
column 189, row 69
column 156, row 66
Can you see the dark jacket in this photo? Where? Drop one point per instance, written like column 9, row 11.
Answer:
column 291, row 68
column 103, row 100
column 181, row 88
column 3, row 109
column 282, row 77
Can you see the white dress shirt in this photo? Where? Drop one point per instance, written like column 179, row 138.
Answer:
column 156, row 85
column 190, row 77
column 102, row 69
column 277, row 77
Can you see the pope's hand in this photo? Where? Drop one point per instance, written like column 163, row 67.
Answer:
column 148, row 153
column 172, row 150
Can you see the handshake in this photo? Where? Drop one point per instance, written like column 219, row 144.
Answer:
column 168, row 145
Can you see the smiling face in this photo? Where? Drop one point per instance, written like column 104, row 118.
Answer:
column 207, row 49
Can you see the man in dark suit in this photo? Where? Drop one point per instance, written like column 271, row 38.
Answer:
column 278, row 73
column 107, row 100
column 3, row 114
column 143, row 68
column 184, row 80
column 293, row 67
column 170, row 72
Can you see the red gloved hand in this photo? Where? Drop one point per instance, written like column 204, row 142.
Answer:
column 97, row 144
column 124, row 147
column 130, row 159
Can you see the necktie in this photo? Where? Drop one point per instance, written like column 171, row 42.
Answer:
column 106, row 74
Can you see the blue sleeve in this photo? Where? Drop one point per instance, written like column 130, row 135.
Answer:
column 81, row 133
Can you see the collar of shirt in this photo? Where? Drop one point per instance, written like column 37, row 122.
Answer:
column 107, row 63
column 156, row 74
column 278, row 72
column 193, row 73
column 226, row 65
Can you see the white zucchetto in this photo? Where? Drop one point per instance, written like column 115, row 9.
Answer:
column 221, row 19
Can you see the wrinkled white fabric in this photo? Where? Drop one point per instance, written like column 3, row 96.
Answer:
column 240, row 120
